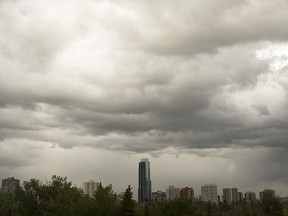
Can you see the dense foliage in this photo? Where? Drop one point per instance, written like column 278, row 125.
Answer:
column 58, row 197
column 184, row 207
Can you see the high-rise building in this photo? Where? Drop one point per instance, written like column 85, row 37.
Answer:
column 250, row 197
column 172, row 192
column 187, row 193
column 90, row 187
column 144, row 189
column 230, row 195
column 10, row 184
column 209, row 193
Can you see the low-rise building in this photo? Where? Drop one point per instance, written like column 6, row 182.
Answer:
column 158, row 196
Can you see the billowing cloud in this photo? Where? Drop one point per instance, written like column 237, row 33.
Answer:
column 144, row 77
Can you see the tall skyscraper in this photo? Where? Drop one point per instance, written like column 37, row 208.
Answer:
column 209, row 193
column 90, row 187
column 10, row 184
column 144, row 189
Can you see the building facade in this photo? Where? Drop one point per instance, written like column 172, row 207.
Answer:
column 172, row 192
column 158, row 196
column 250, row 197
column 209, row 193
column 240, row 197
column 90, row 187
column 10, row 184
column 187, row 193
column 144, row 188
column 230, row 195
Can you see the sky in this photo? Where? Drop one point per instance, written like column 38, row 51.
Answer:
column 88, row 88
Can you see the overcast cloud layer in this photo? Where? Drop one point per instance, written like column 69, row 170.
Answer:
column 203, row 79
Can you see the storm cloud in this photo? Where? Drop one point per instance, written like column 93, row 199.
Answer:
column 144, row 78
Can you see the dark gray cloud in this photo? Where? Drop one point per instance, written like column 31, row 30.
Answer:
column 198, row 106
column 159, row 77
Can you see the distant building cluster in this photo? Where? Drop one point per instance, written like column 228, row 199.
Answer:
column 209, row 192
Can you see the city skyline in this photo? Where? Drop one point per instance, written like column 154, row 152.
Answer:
column 209, row 192
column 88, row 88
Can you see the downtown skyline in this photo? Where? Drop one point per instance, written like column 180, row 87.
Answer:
column 88, row 88
column 209, row 192
column 145, row 186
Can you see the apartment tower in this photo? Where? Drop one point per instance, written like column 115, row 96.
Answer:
column 10, row 184
column 172, row 192
column 90, row 187
column 230, row 195
column 209, row 193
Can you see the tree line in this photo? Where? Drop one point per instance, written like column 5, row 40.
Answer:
column 58, row 197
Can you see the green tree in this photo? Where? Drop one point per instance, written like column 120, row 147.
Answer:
column 270, row 205
column 140, row 210
column 28, row 198
column 86, row 206
column 61, row 198
column 7, row 204
column 105, row 201
column 127, row 205
column 56, row 197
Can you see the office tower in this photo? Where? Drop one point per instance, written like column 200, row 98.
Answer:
column 250, row 197
column 209, row 193
column 144, row 189
column 230, row 195
column 172, row 192
column 10, row 184
column 187, row 193
column 158, row 196
column 90, row 187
